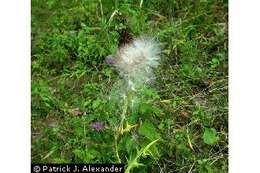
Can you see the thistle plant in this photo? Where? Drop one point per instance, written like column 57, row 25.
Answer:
column 135, row 62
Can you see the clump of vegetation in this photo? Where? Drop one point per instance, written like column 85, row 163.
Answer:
column 177, row 124
column 135, row 62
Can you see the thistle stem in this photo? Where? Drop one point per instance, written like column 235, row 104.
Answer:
column 124, row 112
column 116, row 149
column 121, row 126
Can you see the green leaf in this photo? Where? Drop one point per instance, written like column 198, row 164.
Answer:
column 148, row 130
column 96, row 103
column 130, row 145
column 150, row 93
column 210, row 136
column 86, row 155
column 146, row 108
column 108, row 72
column 133, row 161
column 79, row 153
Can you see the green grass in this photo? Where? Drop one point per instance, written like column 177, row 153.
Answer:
column 186, row 108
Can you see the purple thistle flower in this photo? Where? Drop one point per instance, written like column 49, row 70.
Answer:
column 97, row 126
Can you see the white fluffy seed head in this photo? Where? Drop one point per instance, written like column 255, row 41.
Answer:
column 136, row 60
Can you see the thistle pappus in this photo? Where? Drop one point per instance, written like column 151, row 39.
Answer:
column 136, row 60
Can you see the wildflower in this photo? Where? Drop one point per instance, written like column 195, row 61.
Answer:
column 97, row 125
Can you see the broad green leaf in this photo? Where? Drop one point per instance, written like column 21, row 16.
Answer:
column 210, row 136
column 148, row 130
